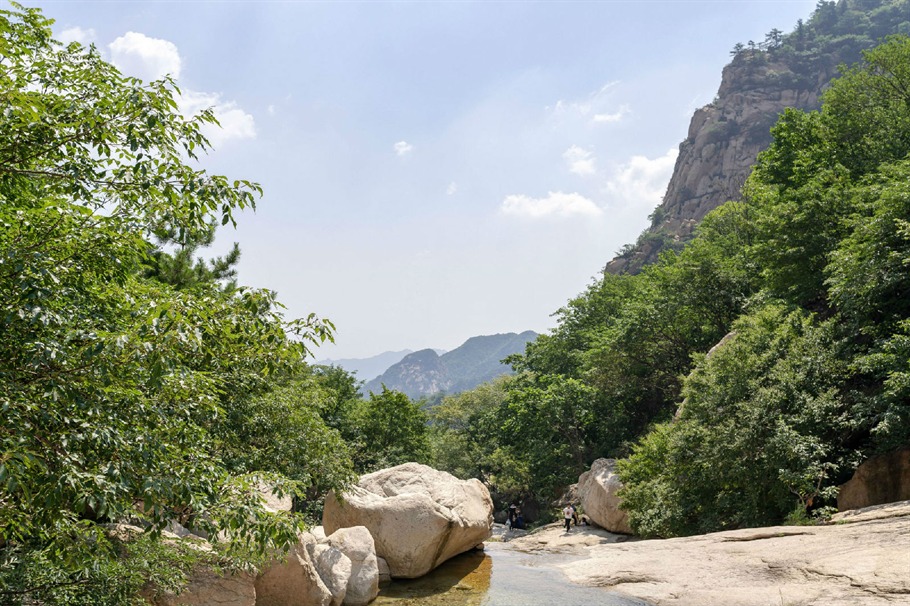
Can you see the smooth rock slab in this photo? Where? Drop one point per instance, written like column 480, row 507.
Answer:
column 418, row 517
column 860, row 563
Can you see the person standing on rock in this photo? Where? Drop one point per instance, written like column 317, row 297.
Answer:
column 568, row 513
column 513, row 513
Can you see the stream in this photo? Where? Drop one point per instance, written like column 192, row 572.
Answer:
column 498, row 576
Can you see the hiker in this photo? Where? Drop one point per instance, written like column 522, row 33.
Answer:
column 513, row 513
column 574, row 515
column 519, row 520
column 568, row 512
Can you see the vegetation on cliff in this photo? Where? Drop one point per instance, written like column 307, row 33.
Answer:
column 808, row 275
column 762, row 80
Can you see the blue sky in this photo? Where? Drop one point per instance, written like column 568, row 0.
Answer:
column 434, row 170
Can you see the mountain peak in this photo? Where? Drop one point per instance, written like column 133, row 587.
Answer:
column 476, row 361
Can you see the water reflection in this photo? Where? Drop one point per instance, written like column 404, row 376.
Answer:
column 462, row 581
column 498, row 577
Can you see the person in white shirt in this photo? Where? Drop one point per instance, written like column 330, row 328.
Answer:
column 568, row 513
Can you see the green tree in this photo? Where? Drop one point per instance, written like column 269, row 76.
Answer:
column 392, row 430
column 114, row 387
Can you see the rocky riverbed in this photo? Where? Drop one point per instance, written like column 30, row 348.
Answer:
column 861, row 559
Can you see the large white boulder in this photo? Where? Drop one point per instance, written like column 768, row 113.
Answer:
column 292, row 580
column 418, row 516
column 597, row 490
column 357, row 544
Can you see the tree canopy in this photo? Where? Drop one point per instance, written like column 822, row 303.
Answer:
column 125, row 391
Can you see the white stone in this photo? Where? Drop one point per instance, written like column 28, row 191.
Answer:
column 597, row 491
column 419, row 517
column 357, row 544
column 334, row 569
column 293, row 580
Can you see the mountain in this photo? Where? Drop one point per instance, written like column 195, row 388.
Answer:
column 761, row 81
column 368, row 368
column 476, row 361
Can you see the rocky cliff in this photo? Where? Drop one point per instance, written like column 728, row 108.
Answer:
column 761, row 81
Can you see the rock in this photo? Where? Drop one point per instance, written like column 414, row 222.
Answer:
column 334, row 569
column 597, row 490
column 569, row 497
column 318, row 532
column 385, row 575
column 882, row 479
column 357, row 544
column 293, row 580
column 859, row 563
column 272, row 501
column 208, row 588
column 724, row 139
column 419, row 517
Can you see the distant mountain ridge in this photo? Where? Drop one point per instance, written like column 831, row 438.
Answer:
column 476, row 361
column 368, row 368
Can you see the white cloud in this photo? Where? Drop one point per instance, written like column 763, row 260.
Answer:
column 596, row 102
column 77, row 34
column 614, row 117
column 147, row 58
column 580, row 161
column 403, row 148
column 451, row 189
column 641, row 182
column 235, row 123
column 558, row 204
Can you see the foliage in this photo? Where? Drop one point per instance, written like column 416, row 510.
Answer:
column 121, row 388
column 772, row 392
column 392, row 429
column 807, row 280
column 815, row 378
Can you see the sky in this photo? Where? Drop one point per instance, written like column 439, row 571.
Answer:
column 433, row 170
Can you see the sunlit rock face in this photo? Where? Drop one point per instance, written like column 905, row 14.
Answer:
column 418, row 516
column 881, row 479
column 597, row 490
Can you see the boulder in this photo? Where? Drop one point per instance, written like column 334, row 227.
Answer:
column 292, row 580
column 597, row 490
column 881, row 479
column 356, row 543
column 334, row 569
column 206, row 588
column 418, row 517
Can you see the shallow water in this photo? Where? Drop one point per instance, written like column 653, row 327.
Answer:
column 499, row 576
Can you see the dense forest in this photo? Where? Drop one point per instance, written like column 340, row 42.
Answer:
column 800, row 288
column 141, row 383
